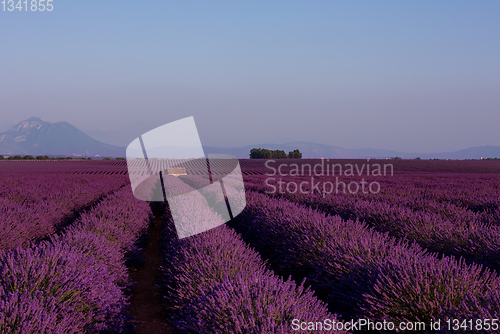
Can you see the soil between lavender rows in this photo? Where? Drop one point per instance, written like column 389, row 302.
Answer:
column 146, row 300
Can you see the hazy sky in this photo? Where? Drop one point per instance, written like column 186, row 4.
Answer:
column 421, row 76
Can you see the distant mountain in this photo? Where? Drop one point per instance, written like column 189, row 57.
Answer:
column 477, row 152
column 35, row 136
column 312, row 150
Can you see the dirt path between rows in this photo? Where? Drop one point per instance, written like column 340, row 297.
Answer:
column 146, row 300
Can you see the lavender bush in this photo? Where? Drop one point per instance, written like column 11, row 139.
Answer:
column 35, row 206
column 257, row 303
column 465, row 234
column 427, row 289
column 81, row 288
column 216, row 284
column 75, row 282
column 371, row 273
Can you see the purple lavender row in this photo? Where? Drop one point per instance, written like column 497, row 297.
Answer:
column 74, row 282
column 215, row 283
column 364, row 273
column 453, row 196
column 474, row 197
column 33, row 207
column 468, row 238
column 476, row 192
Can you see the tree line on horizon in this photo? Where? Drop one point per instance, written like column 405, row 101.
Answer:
column 262, row 153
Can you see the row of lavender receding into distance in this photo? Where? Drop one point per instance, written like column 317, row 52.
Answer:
column 75, row 282
column 33, row 206
column 360, row 272
column 459, row 220
column 214, row 283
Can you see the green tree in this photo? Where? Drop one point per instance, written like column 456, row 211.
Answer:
column 278, row 154
column 262, row 153
column 257, row 153
column 295, row 154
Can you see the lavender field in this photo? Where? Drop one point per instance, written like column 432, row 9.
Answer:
column 424, row 249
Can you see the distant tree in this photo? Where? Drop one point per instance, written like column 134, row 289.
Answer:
column 295, row 154
column 120, row 158
column 278, row 154
column 15, row 157
column 89, row 158
column 2, row 157
column 257, row 153
column 418, row 158
column 262, row 153
column 28, row 157
column 106, row 158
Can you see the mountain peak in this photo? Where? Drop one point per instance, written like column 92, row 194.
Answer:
column 35, row 136
column 35, row 119
column 29, row 124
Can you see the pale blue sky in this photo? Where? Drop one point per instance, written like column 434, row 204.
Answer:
column 421, row 76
